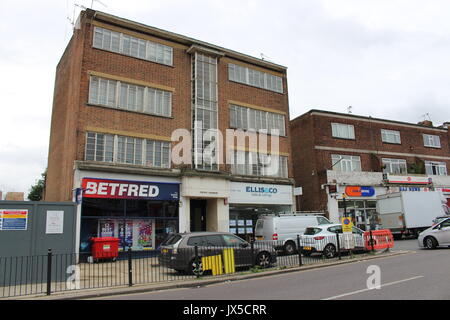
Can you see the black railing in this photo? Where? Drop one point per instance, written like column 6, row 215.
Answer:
column 57, row 272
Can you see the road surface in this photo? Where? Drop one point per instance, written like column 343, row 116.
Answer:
column 420, row 274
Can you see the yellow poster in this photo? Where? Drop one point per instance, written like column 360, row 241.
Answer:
column 347, row 225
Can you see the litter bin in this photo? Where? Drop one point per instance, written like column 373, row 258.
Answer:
column 105, row 248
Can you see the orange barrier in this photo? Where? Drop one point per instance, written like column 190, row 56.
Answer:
column 382, row 239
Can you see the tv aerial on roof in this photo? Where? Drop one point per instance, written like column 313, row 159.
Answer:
column 92, row 3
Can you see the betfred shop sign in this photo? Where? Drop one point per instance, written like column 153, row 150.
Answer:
column 122, row 189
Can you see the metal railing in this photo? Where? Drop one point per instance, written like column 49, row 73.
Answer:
column 57, row 272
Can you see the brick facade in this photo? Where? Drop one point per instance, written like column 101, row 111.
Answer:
column 73, row 116
column 313, row 145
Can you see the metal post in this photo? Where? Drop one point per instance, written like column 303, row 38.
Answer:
column 49, row 272
column 338, row 245
column 197, row 273
column 371, row 240
column 252, row 247
column 130, row 268
column 299, row 250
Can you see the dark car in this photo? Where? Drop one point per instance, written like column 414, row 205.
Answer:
column 178, row 251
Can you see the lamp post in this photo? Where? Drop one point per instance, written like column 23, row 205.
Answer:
column 344, row 197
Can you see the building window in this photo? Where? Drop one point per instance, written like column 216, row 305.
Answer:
column 435, row 168
column 394, row 166
column 132, row 46
column 390, row 136
column 344, row 131
column 205, row 115
column 258, row 164
column 100, row 147
column 255, row 78
column 129, row 150
column 431, row 141
column 345, row 163
column 256, row 120
column 121, row 95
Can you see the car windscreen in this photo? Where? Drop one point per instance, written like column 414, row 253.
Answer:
column 312, row 231
column 172, row 239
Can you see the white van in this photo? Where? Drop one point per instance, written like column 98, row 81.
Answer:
column 285, row 228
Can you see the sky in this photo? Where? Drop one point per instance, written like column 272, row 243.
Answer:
column 388, row 59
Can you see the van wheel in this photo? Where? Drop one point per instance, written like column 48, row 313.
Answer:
column 290, row 247
column 430, row 243
column 329, row 251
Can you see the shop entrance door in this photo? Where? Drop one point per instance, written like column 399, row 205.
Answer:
column 198, row 215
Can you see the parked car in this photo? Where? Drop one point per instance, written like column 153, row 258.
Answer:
column 322, row 239
column 178, row 253
column 439, row 219
column 437, row 235
column 285, row 228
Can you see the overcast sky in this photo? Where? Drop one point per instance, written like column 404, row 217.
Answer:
column 385, row 58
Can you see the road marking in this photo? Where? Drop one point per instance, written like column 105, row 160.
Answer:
column 364, row 290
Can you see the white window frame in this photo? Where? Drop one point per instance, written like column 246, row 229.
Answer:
column 439, row 168
column 432, row 141
column 267, row 120
column 144, row 107
column 391, row 163
column 342, row 163
column 254, row 164
column 160, row 53
column 138, row 158
column 255, row 78
column 391, row 136
column 338, row 128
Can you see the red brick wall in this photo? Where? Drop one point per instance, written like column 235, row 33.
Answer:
column 72, row 114
column 310, row 164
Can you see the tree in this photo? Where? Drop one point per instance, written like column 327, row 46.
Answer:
column 37, row 191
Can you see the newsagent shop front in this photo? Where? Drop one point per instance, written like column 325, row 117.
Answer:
column 140, row 213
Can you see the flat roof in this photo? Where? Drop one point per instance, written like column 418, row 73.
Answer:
column 367, row 118
column 102, row 16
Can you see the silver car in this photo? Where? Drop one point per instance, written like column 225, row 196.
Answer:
column 436, row 236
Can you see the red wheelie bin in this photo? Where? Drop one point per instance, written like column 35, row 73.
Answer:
column 105, row 248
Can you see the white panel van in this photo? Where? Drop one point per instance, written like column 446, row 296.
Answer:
column 285, row 228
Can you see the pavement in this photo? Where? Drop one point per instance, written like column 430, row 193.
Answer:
column 199, row 283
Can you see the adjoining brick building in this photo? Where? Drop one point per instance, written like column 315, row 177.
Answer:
column 337, row 156
column 122, row 88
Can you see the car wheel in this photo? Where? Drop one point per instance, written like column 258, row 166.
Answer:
column 430, row 243
column 263, row 259
column 289, row 247
column 329, row 251
column 192, row 267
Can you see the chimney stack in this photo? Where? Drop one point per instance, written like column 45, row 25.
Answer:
column 427, row 123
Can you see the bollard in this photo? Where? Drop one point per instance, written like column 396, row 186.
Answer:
column 299, row 251
column 130, row 268
column 338, row 245
column 49, row 272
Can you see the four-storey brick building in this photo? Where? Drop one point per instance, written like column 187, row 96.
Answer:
column 122, row 89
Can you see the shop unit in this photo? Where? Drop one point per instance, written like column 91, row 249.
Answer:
column 343, row 162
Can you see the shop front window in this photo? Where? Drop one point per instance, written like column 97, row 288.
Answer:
column 362, row 213
column 139, row 224
column 243, row 217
